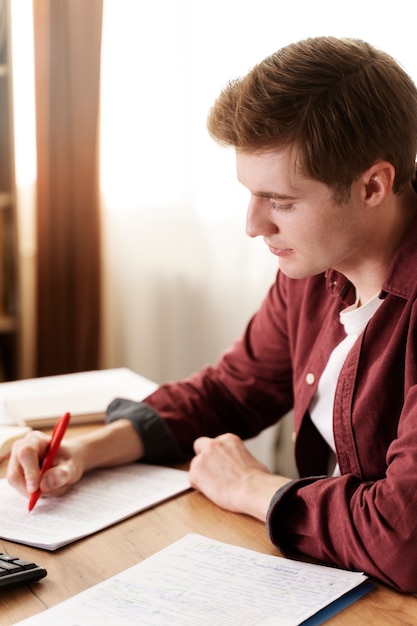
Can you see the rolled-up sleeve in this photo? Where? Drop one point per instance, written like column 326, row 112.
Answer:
column 159, row 443
column 276, row 512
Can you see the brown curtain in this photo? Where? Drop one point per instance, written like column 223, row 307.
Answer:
column 67, row 36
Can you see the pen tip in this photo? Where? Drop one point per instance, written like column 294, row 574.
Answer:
column 32, row 502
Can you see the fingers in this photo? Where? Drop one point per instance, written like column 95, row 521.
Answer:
column 24, row 464
column 24, row 472
column 201, row 444
column 205, row 443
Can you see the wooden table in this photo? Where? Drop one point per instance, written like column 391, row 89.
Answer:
column 88, row 561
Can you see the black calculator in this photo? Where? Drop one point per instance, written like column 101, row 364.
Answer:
column 14, row 571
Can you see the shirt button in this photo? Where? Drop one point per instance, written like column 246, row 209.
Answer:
column 310, row 378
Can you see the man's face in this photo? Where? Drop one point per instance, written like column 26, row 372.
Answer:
column 298, row 217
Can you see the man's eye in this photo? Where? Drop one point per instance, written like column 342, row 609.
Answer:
column 281, row 207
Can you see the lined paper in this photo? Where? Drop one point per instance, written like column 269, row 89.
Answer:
column 113, row 494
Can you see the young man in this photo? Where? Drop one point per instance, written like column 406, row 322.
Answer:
column 325, row 133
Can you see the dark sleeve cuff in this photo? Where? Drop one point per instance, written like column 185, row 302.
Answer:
column 276, row 518
column 159, row 443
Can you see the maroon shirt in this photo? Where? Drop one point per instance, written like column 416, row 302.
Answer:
column 366, row 519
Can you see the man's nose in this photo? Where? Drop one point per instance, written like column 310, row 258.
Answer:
column 258, row 219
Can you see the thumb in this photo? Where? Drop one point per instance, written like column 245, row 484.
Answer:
column 55, row 478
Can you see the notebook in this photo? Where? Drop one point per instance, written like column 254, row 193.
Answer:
column 39, row 402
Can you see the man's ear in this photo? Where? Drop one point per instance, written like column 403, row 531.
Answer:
column 378, row 181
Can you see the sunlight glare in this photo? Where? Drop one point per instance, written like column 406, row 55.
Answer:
column 23, row 92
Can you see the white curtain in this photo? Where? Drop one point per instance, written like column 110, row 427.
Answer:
column 182, row 278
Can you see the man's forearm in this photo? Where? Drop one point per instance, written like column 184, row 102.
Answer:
column 114, row 444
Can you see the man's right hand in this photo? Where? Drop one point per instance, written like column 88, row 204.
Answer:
column 24, row 472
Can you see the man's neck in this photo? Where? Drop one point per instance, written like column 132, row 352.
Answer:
column 370, row 275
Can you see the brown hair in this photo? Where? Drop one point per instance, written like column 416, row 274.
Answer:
column 342, row 102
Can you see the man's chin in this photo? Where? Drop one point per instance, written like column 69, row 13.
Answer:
column 296, row 273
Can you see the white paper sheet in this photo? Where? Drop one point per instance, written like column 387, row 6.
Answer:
column 201, row 582
column 114, row 494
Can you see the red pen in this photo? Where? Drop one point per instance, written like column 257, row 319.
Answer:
column 51, row 452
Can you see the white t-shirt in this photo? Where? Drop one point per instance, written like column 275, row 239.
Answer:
column 354, row 320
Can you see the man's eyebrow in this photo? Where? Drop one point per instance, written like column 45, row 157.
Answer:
column 274, row 195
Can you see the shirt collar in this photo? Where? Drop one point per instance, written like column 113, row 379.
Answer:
column 401, row 277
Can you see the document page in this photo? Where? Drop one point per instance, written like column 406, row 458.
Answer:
column 114, row 494
column 198, row 581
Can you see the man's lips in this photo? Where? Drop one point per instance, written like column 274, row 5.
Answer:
column 281, row 252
